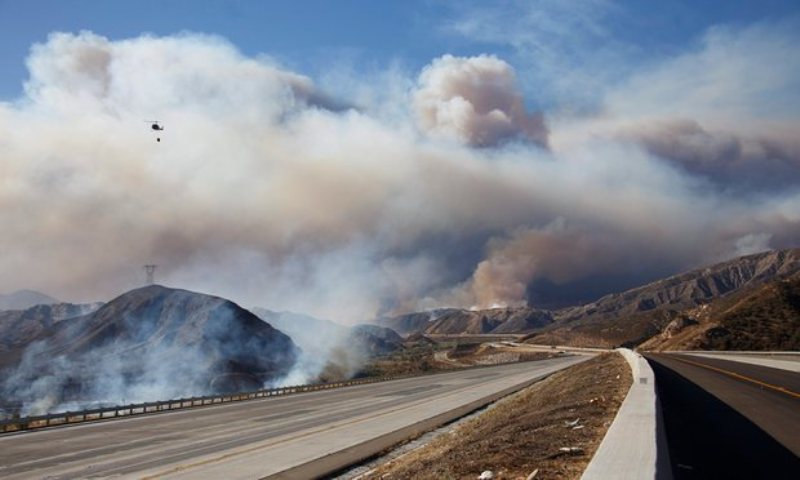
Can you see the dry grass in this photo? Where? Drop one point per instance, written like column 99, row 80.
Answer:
column 526, row 431
column 763, row 318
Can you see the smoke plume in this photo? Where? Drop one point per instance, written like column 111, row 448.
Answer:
column 266, row 190
column 476, row 101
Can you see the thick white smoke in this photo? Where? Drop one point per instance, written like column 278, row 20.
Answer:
column 476, row 101
column 266, row 191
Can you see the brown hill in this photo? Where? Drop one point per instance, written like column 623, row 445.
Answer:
column 632, row 317
column 763, row 318
column 692, row 288
column 622, row 319
column 454, row 321
column 416, row 322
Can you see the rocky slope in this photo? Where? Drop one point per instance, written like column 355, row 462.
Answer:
column 23, row 299
column 454, row 321
column 764, row 318
column 20, row 327
column 627, row 318
column 374, row 339
column 415, row 322
column 692, row 288
column 632, row 317
column 150, row 343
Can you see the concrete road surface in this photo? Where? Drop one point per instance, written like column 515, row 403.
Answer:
column 783, row 361
column 726, row 419
column 298, row 436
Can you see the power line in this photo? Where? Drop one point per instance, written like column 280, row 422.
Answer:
column 150, row 270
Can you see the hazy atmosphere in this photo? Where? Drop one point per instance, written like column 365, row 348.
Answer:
column 375, row 239
column 537, row 155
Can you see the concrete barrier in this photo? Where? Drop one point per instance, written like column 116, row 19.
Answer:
column 634, row 446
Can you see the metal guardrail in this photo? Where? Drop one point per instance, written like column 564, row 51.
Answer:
column 64, row 418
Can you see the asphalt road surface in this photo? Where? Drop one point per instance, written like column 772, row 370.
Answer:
column 726, row 419
column 298, row 436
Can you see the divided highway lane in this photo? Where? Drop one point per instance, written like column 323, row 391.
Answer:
column 297, row 436
column 783, row 361
column 726, row 419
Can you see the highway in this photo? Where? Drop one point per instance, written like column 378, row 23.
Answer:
column 297, row 436
column 727, row 419
column 780, row 360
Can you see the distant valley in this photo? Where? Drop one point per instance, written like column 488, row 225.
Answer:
column 157, row 342
column 632, row 317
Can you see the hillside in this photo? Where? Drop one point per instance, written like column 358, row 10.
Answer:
column 415, row 322
column 632, row 317
column 454, row 321
column 692, row 288
column 20, row 327
column 151, row 343
column 374, row 339
column 628, row 318
column 23, row 299
column 764, row 318
column 317, row 336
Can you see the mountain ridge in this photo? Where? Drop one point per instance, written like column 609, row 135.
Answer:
column 24, row 299
column 150, row 343
column 625, row 318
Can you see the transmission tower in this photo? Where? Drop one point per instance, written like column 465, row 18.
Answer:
column 150, row 270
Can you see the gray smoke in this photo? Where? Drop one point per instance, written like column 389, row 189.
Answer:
column 755, row 161
column 106, row 376
column 268, row 191
column 330, row 351
column 150, row 344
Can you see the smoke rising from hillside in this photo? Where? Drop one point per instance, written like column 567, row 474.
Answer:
column 149, row 344
column 266, row 190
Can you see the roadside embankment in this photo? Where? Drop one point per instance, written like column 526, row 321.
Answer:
column 554, row 427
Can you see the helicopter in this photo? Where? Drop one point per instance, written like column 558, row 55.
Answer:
column 155, row 125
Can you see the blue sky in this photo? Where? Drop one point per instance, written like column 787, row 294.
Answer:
column 311, row 36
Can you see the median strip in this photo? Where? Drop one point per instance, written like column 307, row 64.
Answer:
column 634, row 446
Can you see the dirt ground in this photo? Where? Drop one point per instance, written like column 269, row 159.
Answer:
column 571, row 409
